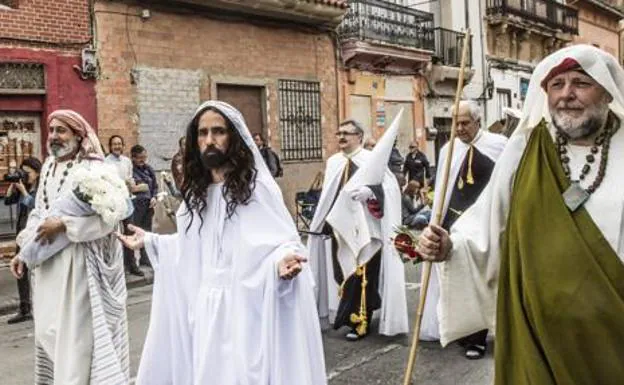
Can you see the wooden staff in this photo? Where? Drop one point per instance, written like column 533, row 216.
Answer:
column 426, row 273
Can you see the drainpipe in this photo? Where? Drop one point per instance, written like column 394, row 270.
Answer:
column 484, row 69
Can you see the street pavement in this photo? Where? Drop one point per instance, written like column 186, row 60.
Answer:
column 373, row 360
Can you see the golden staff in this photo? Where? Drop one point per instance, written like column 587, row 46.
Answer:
column 426, row 273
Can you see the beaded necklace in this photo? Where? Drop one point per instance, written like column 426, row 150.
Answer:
column 46, row 199
column 575, row 196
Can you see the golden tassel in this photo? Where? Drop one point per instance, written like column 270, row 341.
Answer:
column 469, row 176
column 361, row 319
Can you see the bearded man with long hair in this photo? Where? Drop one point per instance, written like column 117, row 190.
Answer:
column 233, row 301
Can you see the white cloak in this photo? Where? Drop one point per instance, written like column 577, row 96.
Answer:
column 75, row 293
column 220, row 313
column 393, row 312
column 490, row 145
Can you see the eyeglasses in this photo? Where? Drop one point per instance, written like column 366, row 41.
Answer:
column 345, row 133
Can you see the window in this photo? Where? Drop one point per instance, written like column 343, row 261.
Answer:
column 524, row 87
column 503, row 98
column 300, row 119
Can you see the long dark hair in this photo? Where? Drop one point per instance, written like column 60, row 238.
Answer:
column 240, row 177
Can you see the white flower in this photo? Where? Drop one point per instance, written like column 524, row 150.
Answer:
column 100, row 187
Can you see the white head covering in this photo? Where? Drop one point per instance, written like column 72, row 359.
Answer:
column 238, row 121
column 598, row 64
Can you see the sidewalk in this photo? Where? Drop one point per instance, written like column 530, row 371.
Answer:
column 9, row 300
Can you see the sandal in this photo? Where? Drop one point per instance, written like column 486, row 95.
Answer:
column 475, row 352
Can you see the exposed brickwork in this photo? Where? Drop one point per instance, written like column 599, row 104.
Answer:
column 217, row 49
column 47, row 22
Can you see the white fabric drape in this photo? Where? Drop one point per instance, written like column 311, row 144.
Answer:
column 220, row 313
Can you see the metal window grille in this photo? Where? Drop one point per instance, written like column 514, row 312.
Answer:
column 22, row 76
column 300, row 120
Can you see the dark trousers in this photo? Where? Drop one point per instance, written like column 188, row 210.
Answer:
column 23, row 289
column 477, row 338
column 128, row 254
column 142, row 218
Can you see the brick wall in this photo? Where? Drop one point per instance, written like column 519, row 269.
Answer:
column 46, row 21
column 238, row 51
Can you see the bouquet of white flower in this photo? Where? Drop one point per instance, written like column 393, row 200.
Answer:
column 95, row 190
column 104, row 191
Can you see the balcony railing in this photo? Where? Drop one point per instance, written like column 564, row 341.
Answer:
column 448, row 47
column 377, row 20
column 549, row 12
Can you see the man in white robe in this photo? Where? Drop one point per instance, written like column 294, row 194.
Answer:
column 475, row 153
column 233, row 302
column 351, row 285
column 79, row 294
column 546, row 236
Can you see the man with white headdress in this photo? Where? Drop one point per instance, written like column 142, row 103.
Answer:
column 357, row 269
column 79, row 294
column 546, row 237
column 233, row 302
column 475, row 153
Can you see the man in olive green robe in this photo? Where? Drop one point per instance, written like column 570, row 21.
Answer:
column 541, row 253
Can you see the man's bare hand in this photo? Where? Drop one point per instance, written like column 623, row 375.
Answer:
column 49, row 229
column 135, row 241
column 434, row 244
column 17, row 267
column 290, row 266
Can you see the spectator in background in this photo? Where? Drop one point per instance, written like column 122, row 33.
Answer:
column 123, row 164
column 116, row 158
column 409, row 208
column 416, row 165
column 24, row 197
column 177, row 164
column 395, row 163
column 270, row 157
column 145, row 189
column 369, row 143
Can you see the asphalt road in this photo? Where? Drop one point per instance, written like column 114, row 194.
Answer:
column 373, row 360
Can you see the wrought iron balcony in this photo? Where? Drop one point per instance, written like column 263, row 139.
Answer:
column 548, row 12
column 389, row 23
column 448, row 47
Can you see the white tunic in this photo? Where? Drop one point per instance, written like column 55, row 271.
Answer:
column 220, row 313
column 61, row 305
column 490, row 145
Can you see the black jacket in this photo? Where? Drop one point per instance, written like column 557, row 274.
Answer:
column 416, row 166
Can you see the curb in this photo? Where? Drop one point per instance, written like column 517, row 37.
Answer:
column 132, row 282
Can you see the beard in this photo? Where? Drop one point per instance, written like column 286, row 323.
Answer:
column 213, row 158
column 59, row 149
column 590, row 122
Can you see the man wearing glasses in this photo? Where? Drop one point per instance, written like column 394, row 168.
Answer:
column 349, row 299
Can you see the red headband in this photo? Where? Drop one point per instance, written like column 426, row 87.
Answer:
column 566, row 65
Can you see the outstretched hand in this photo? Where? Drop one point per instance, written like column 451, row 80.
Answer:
column 290, row 266
column 136, row 241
